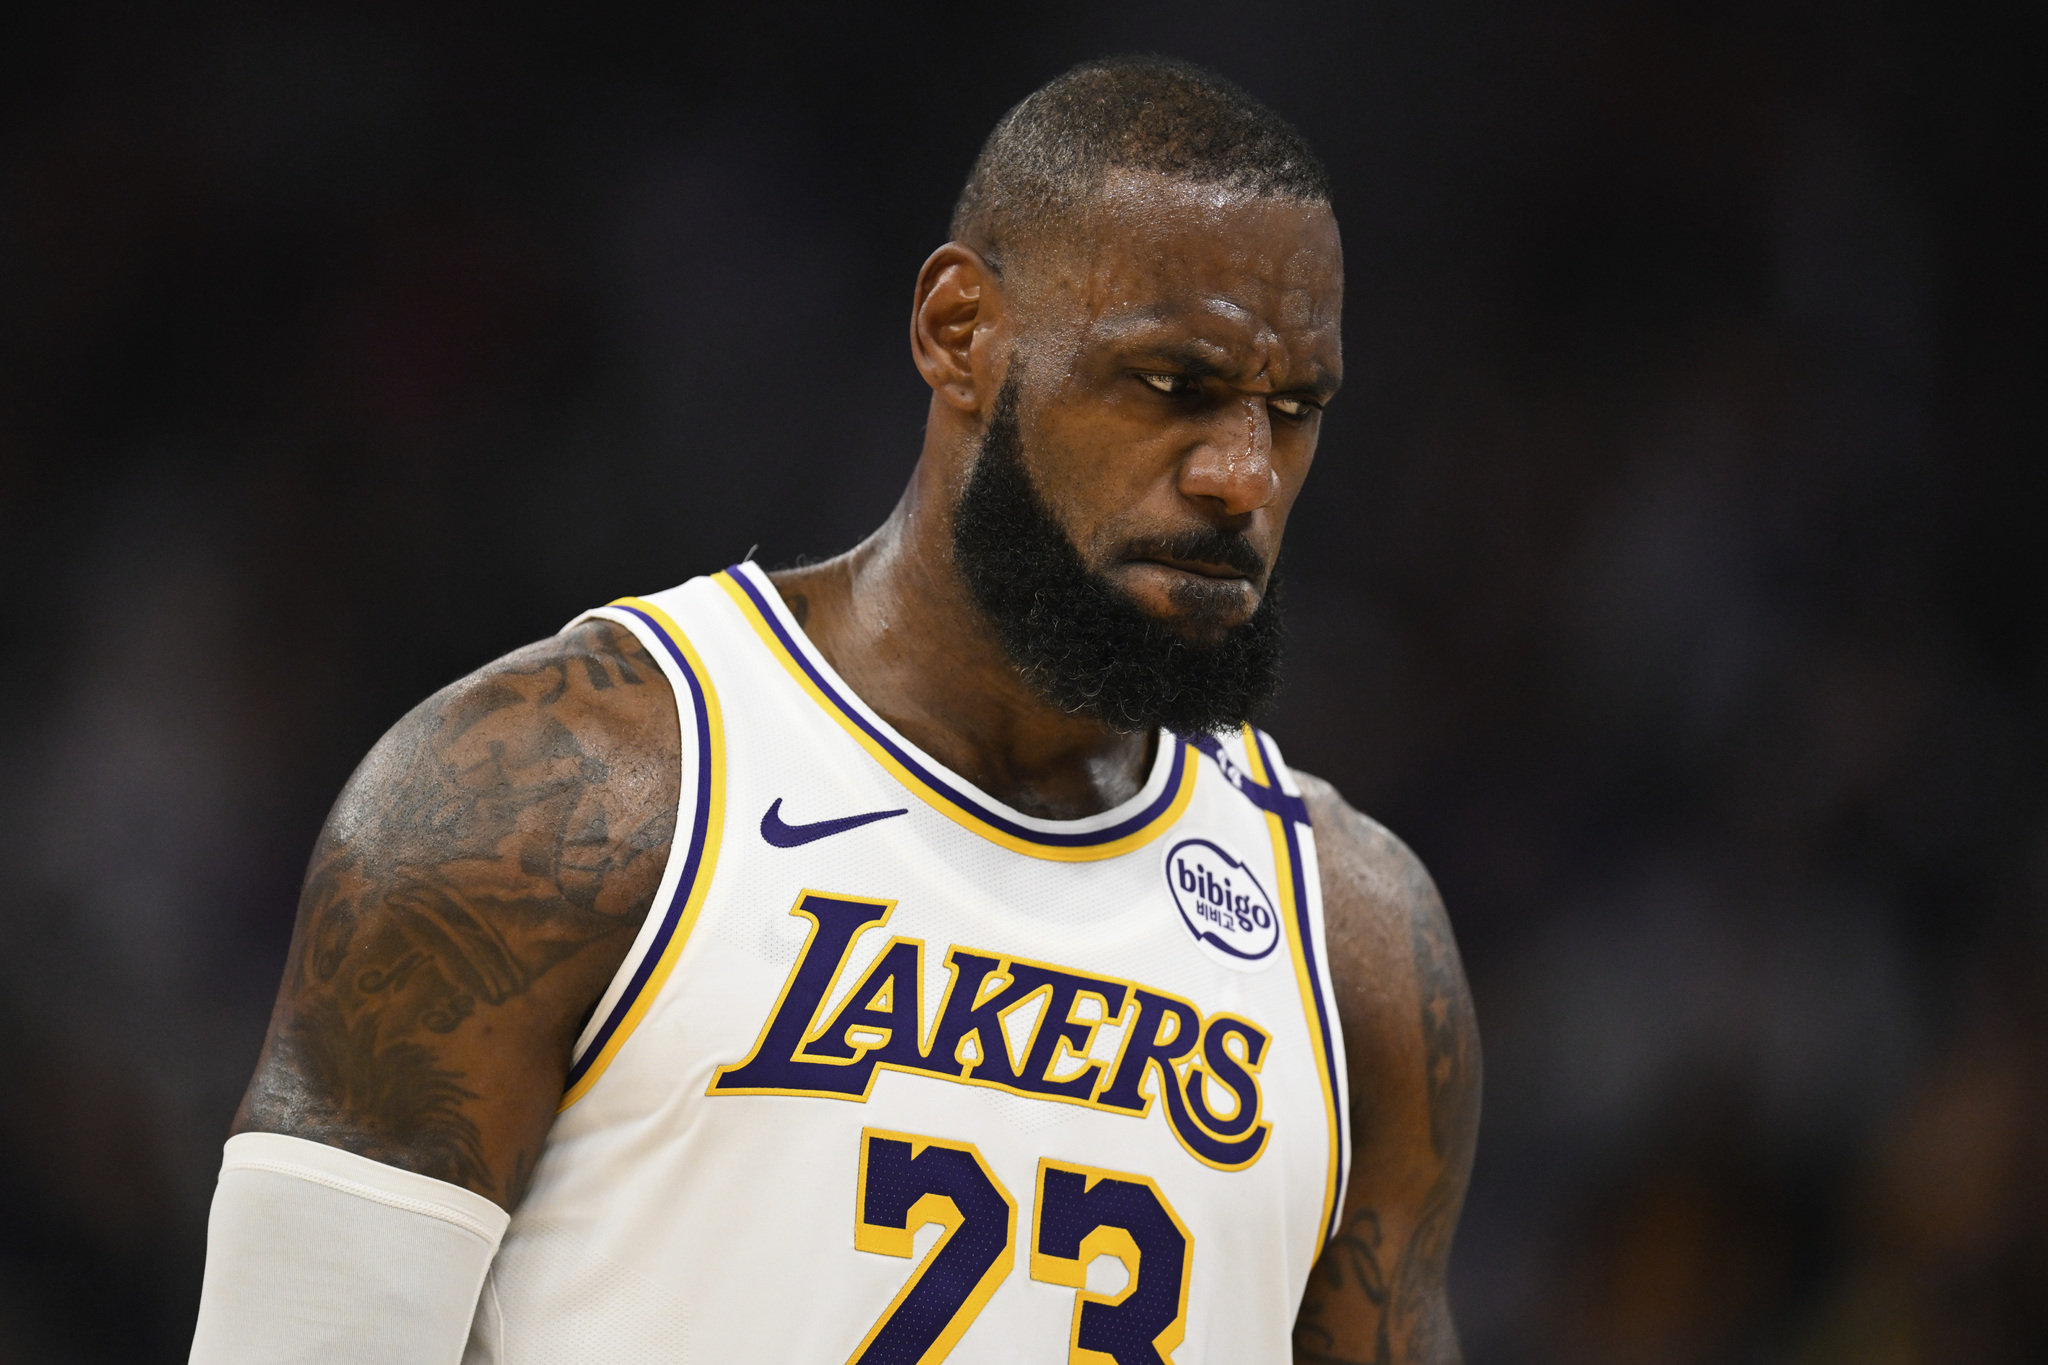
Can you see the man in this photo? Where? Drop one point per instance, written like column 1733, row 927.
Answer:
column 913, row 956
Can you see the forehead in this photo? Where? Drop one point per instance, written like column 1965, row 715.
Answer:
column 1157, row 258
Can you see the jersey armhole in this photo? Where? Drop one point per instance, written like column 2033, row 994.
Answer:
column 693, row 850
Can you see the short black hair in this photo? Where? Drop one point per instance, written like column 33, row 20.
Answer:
column 1050, row 154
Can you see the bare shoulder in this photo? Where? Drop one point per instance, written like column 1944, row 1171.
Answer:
column 1374, row 887
column 1391, row 946
column 475, row 887
column 565, row 752
column 1394, row 958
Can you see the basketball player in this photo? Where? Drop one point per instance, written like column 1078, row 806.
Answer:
column 913, row 956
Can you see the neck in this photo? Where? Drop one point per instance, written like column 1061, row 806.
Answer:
column 894, row 619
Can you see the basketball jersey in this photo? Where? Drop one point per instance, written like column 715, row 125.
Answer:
column 896, row 1074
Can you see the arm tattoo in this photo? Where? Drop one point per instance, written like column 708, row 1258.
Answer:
column 485, row 843
column 1403, row 1284
column 1450, row 1038
column 1351, row 1259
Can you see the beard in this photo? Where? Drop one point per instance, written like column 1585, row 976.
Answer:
column 1082, row 643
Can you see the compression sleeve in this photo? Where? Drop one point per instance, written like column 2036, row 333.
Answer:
column 316, row 1256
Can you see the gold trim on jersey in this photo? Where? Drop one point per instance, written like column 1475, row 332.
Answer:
column 707, row 826
column 1312, row 1007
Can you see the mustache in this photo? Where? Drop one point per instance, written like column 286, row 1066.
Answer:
column 1206, row 544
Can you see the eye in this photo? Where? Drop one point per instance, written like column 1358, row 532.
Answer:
column 1291, row 407
column 1171, row 384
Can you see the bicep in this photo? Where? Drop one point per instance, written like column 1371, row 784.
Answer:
column 1377, row 1293
column 476, row 886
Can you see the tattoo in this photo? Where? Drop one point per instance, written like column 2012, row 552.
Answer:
column 799, row 607
column 395, row 1095
column 1450, row 1038
column 1352, row 1259
column 483, row 845
column 1448, row 1034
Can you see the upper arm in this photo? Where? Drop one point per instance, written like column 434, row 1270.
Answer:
column 474, row 890
column 1411, row 1044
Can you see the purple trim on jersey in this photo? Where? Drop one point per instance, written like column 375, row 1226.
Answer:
column 1308, row 955
column 692, row 862
column 938, row 785
column 1275, row 798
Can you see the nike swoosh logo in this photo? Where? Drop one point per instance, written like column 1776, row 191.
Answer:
column 780, row 833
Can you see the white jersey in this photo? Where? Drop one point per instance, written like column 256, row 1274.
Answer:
column 896, row 1074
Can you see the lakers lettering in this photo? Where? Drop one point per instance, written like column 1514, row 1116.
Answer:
column 1204, row 1071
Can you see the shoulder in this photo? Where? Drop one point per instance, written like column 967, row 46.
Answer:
column 569, row 745
column 1385, row 922
column 595, row 678
column 1394, row 964
column 1371, row 880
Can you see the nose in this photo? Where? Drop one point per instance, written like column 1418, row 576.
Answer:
column 1233, row 469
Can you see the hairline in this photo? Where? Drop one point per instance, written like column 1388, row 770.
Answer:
column 1091, row 204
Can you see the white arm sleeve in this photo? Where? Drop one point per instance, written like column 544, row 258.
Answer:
column 316, row 1256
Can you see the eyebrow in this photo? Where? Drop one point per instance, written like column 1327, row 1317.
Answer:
column 1198, row 360
column 1192, row 359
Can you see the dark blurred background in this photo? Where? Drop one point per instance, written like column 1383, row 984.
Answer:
column 1669, row 577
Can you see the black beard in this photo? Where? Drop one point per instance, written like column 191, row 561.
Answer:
column 1082, row 643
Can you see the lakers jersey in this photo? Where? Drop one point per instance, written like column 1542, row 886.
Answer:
column 895, row 1074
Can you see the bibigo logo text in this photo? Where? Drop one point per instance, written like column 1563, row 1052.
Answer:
column 1222, row 904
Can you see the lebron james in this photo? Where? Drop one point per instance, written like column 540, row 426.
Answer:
column 916, row 956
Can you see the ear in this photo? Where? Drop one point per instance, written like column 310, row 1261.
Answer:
column 958, row 299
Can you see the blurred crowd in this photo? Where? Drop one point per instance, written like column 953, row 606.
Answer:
column 1669, row 578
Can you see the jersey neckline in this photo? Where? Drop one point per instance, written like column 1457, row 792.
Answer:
column 1131, row 825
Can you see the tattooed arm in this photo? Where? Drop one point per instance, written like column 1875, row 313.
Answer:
column 474, row 890
column 1377, row 1296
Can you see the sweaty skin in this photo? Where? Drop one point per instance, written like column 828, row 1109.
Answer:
column 484, row 872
